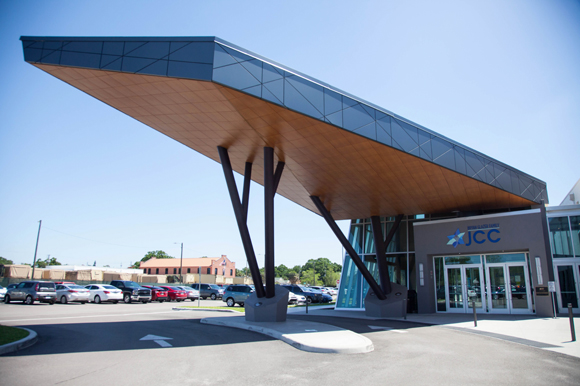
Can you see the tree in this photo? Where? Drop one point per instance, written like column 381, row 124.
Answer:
column 243, row 272
column 152, row 254
column 292, row 275
column 308, row 277
column 281, row 271
column 331, row 278
column 48, row 261
column 323, row 268
column 4, row 261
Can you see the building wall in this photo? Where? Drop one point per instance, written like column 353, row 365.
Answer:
column 518, row 232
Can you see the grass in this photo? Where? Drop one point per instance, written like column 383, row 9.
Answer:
column 11, row 334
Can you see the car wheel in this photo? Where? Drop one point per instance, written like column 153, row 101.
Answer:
column 29, row 300
column 7, row 299
column 309, row 300
column 97, row 299
column 51, row 302
column 213, row 297
column 127, row 298
column 83, row 302
column 144, row 301
column 161, row 301
column 63, row 299
column 230, row 302
column 115, row 301
column 204, row 297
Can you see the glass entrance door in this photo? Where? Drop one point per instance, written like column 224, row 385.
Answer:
column 508, row 288
column 568, row 287
column 464, row 284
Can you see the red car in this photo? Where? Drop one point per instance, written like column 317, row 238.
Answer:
column 158, row 293
column 175, row 293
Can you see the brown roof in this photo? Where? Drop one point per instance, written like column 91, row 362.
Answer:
column 175, row 263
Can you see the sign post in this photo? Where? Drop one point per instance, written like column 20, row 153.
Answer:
column 552, row 289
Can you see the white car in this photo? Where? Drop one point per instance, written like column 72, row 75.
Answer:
column 2, row 292
column 104, row 293
column 331, row 291
column 295, row 299
column 71, row 293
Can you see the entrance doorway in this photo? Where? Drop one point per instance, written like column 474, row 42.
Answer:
column 497, row 283
column 464, row 284
column 568, row 286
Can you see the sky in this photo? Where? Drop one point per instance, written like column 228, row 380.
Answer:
column 501, row 77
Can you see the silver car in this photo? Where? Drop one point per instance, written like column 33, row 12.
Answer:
column 2, row 292
column 31, row 291
column 72, row 293
column 192, row 293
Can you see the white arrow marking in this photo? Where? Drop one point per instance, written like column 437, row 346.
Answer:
column 160, row 340
column 387, row 328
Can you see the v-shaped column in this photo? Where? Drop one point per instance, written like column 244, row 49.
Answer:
column 381, row 248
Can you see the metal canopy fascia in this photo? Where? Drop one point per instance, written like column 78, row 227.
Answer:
column 360, row 159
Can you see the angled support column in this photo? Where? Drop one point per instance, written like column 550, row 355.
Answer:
column 381, row 248
column 351, row 252
column 241, row 212
column 271, row 181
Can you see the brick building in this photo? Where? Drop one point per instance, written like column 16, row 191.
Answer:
column 208, row 265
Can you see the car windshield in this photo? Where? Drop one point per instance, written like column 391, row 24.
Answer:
column 76, row 287
column 131, row 284
column 109, row 287
column 213, row 286
column 187, row 288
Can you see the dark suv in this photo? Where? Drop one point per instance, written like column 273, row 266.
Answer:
column 211, row 291
column 132, row 291
column 30, row 291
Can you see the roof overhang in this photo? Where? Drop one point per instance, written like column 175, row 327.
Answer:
column 359, row 159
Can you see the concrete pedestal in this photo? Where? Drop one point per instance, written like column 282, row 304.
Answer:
column 267, row 310
column 394, row 305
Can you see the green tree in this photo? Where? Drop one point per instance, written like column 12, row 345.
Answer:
column 4, row 261
column 323, row 268
column 48, row 261
column 292, row 275
column 281, row 271
column 330, row 279
column 308, row 277
column 243, row 272
column 152, row 254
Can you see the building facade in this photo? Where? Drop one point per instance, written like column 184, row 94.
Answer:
column 205, row 265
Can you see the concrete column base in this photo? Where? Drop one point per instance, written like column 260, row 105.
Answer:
column 267, row 310
column 395, row 305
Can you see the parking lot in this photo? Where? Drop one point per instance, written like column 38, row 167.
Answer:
column 154, row 345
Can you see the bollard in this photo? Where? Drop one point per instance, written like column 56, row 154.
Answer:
column 571, row 316
column 405, row 309
column 307, row 305
column 474, row 313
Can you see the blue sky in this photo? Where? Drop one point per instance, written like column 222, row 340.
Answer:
column 502, row 77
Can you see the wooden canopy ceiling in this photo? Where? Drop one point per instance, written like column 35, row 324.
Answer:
column 354, row 176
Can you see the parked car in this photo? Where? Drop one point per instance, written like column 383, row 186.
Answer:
column 192, row 294
column 31, row 291
column 72, row 293
column 2, row 292
column 13, row 285
column 175, row 293
column 311, row 295
column 104, row 293
column 158, row 293
column 132, row 291
column 236, row 293
column 211, row 291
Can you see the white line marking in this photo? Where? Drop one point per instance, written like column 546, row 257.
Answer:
column 162, row 343
column 388, row 329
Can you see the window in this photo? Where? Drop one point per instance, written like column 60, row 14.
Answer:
column 156, row 271
column 174, row 271
column 166, row 270
column 560, row 237
column 144, row 270
column 215, row 271
column 209, row 271
column 231, row 272
column 180, row 271
column 149, row 270
column 188, row 270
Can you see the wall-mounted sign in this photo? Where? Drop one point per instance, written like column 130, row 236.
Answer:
column 542, row 291
column 477, row 234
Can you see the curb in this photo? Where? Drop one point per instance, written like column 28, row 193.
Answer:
column 23, row 343
column 204, row 309
column 323, row 345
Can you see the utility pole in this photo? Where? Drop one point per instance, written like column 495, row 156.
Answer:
column 36, row 249
column 181, row 266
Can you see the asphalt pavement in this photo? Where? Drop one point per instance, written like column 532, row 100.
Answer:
column 151, row 344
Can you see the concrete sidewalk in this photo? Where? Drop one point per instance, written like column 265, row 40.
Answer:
column 545, row 333
column 303, row 335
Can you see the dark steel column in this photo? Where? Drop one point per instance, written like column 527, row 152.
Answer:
column 381, row 249
column 269, row 193
column 246, row 192
column 351, row 252
column 241, row 219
